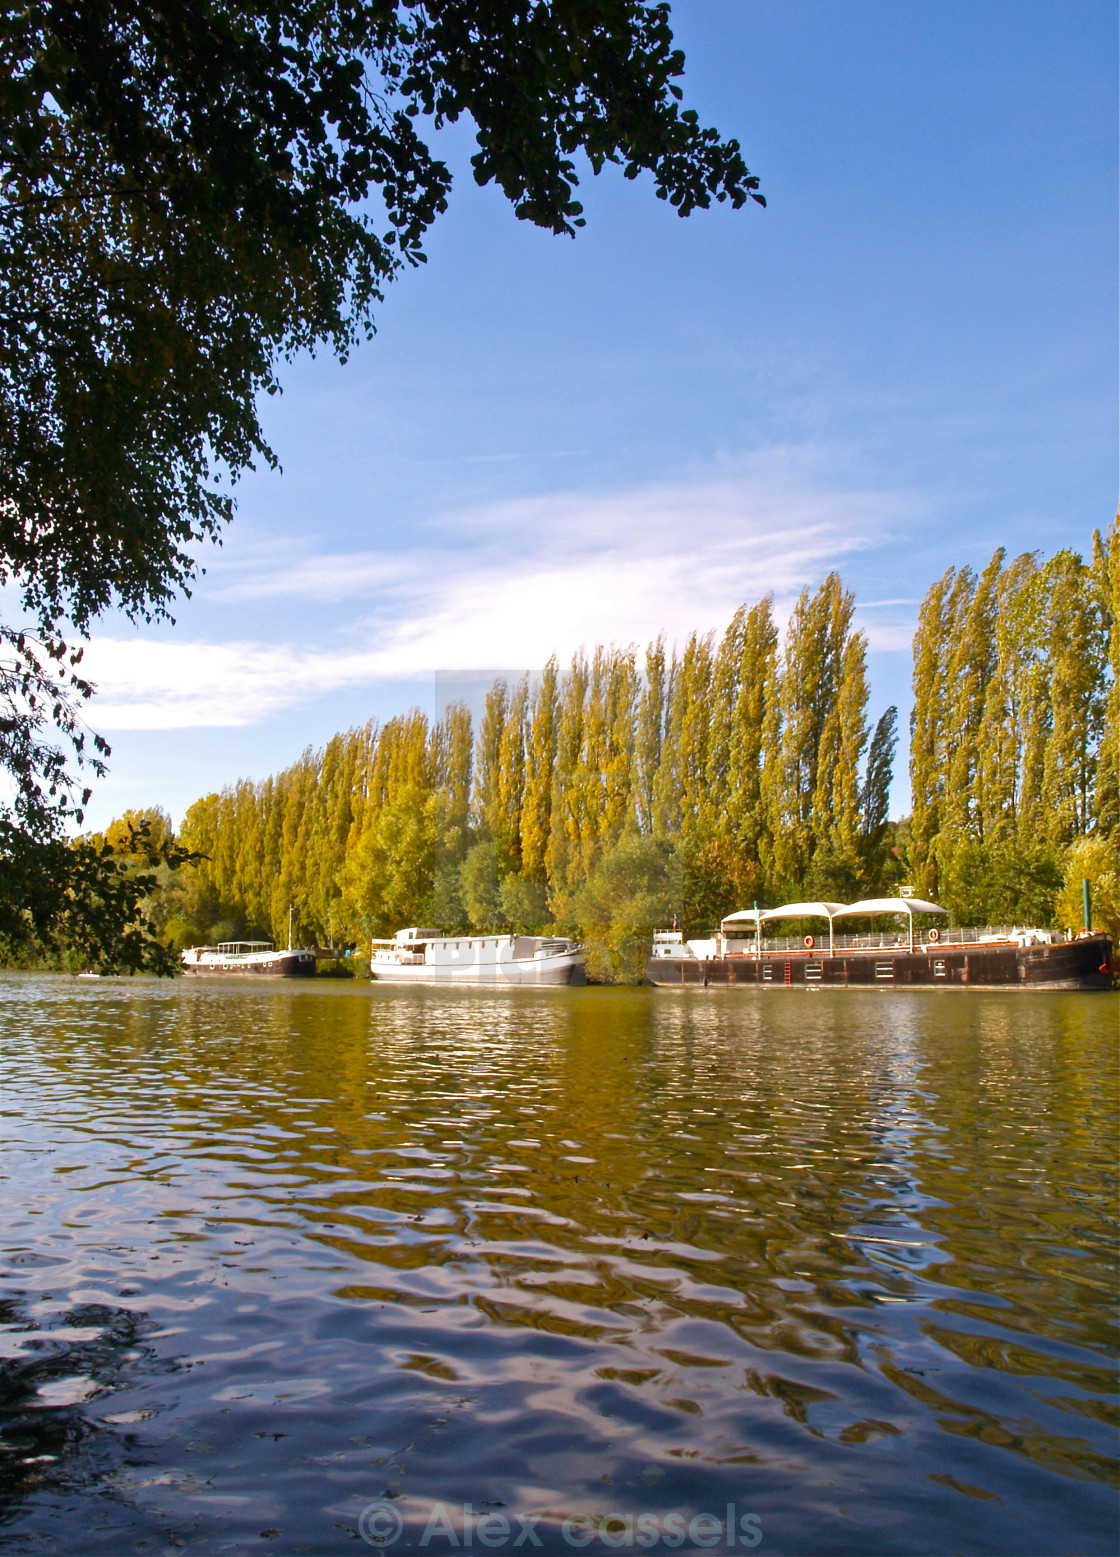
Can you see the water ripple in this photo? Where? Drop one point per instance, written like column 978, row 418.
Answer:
column 270, row 1254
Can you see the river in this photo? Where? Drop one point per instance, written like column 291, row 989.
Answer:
column 290, row 1268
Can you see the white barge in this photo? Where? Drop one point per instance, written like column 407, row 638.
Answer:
column 424, row 956
column 249, row 957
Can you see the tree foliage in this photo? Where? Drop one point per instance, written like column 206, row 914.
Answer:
column 1013, row 732
column 99, row 901
column 192, row 193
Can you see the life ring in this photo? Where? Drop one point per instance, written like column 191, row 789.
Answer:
column 933, row 937
column 810, row 942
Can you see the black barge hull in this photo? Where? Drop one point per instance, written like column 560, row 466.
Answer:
column 284, row 965
column 1080, row 964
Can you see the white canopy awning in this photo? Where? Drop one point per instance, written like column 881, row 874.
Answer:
column 802, row 911
column 830, row 911
column 891, row 905
column 759, row 916
column 786, row 911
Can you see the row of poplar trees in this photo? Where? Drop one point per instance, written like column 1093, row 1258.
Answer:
column 630, row 787
column 1014, row 753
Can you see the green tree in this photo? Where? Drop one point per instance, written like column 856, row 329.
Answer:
column 482, row 886
column 452, row 743
column 1106, row 588
column 805, row 807
column 566, row 831
column 511, row 776
column 1077, row 651
column 488, row 800
column 927, row 730
column 91, row 901
column 540, row 763
column 756, row 702
column 649, row 735
column 388, row 878
column 874, row 802
column 633, row 889
column 606, row 759
column 836, row 799
column 681, row 790
column 524, row 904
column 1092, row 858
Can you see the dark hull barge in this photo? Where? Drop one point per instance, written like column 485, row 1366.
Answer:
column 1085, row 963
column 249, row 959
column 906, row 956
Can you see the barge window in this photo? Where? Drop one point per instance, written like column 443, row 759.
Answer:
column 884, row 970
column 768, row 973
column 812, row 973
column 939, row 968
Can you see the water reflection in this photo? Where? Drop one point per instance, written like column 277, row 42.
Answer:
column 844, row 1260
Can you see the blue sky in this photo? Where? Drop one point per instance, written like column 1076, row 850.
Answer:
column 908, row 359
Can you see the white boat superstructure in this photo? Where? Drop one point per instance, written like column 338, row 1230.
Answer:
column 424, row 956
column 249, row 957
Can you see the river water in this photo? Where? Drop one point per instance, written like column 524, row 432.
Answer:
column 290, row 1268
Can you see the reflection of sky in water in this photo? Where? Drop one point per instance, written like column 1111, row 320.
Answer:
column 842, row 1259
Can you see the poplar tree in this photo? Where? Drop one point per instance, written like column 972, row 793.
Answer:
column 1016, row 713
column 487, row 766
column 971, row 667
column 649, row 737
column 540, row 762
column 454, row 743
column 680, row 785
column 810, row 684
column 927, row 730
column 1077, row 651
column 874, row 802
column 606, row 761
column 1106, row 588
column 506, row 824
column 836, row 801
column 756, row 701
column 566, row 828
column 723, row 702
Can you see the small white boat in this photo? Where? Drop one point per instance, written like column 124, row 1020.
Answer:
column 248, row 957
column 424, row 956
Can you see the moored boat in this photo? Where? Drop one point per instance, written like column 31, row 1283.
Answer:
column 249, row 957
column 1009, row 957
column 425, row 956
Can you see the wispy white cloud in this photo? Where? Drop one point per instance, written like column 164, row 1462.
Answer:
column 887, row 637
column 506, row 584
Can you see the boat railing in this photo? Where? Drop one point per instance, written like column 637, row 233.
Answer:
column 888, row 940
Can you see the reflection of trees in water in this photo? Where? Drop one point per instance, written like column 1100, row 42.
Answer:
column 52, row 1370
